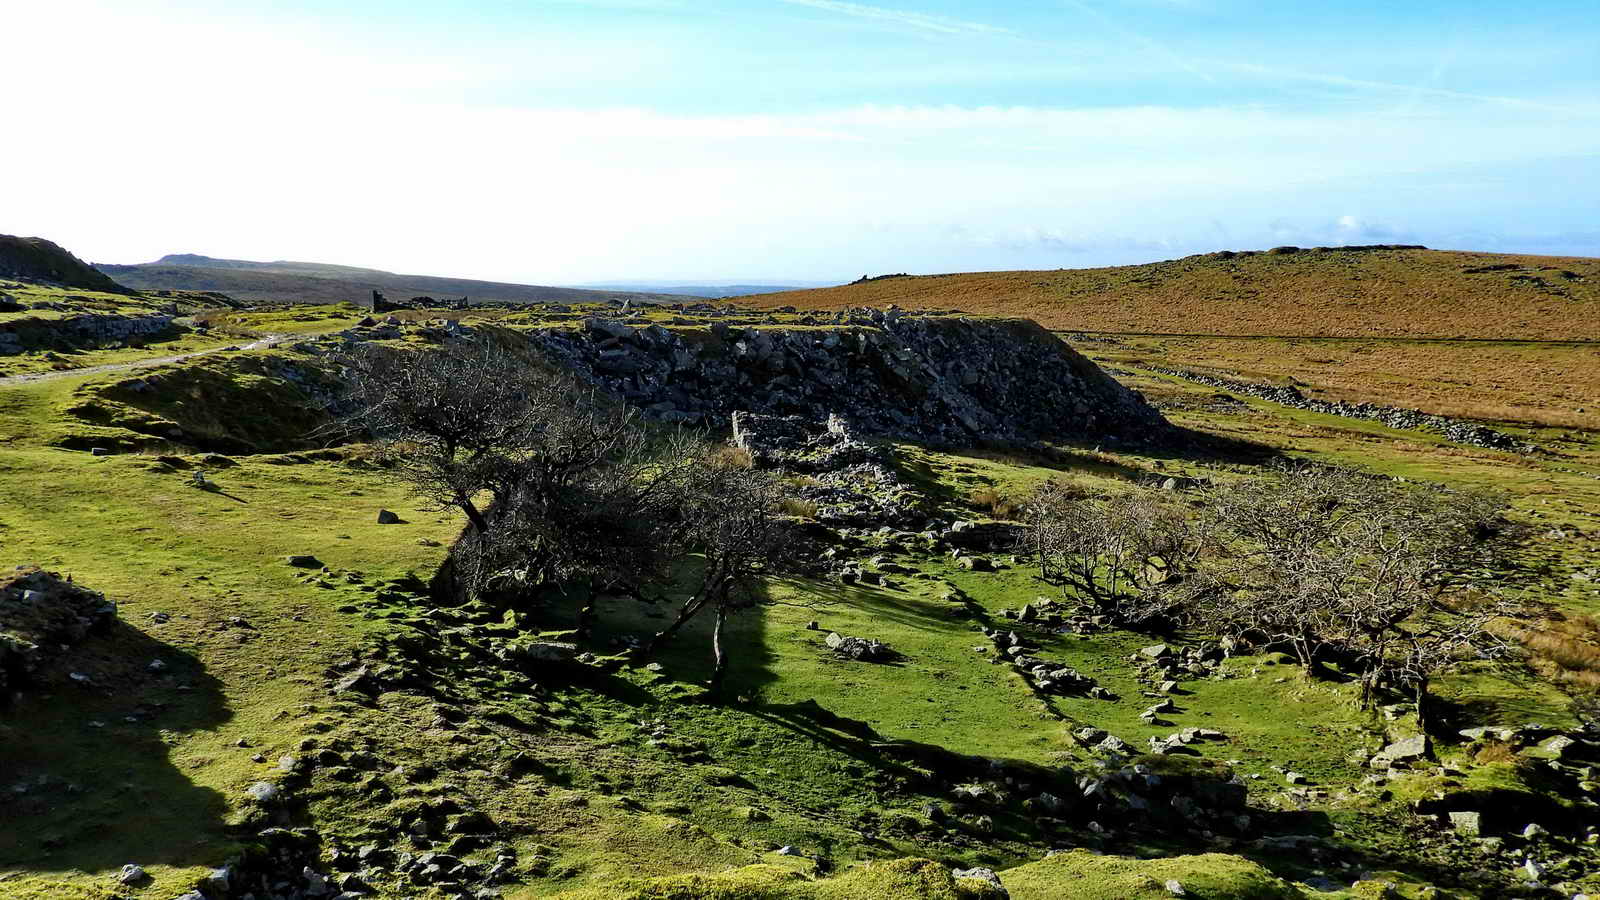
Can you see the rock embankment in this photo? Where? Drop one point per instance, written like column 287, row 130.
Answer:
column 81, row 332
column 1456, row 430
column 936, row 379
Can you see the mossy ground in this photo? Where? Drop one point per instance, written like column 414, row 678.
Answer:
column 635, row 777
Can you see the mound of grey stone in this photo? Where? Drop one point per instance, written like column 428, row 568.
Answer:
column 935, row 379
column 856, row 648
column 41, row 614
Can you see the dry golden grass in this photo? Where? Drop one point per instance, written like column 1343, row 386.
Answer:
column 800, row 509
column 1496, row 752
column 999, row 505
column 1567, row 650
column 731, row 457
column 1541, row 383
column 1353, row 293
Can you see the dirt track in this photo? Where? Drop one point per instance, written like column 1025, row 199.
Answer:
column 270, row 340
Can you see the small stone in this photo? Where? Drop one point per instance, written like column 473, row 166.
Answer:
column 1174, row 886
column 1466, row 823
column 979, row 873
column 132, row 874
column 385, row 517
column 303, row 561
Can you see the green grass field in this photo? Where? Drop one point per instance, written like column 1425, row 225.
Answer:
column 618, row 780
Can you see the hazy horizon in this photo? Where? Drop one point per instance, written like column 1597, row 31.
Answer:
column 572, row 142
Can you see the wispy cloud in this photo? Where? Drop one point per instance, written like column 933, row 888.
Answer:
column 1412, row 90
column 908, row 19
column 1149, row 43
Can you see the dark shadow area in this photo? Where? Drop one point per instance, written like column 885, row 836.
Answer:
column 86, row 772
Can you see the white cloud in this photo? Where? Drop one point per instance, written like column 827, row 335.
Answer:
column 179, row 134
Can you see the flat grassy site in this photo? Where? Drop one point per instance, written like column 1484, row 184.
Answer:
column 819, row 776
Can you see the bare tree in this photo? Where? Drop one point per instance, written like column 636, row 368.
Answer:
column 1346, row 568
column 559, row 483
column 1333, row 565
column 1111, row 551
column 731, row 517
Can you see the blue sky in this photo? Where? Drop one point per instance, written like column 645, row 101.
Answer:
column 562, row 141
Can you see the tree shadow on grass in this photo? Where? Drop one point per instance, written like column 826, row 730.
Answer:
column 86, row 767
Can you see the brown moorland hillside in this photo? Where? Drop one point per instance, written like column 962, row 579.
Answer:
column 316, row 283
column 1332, row 292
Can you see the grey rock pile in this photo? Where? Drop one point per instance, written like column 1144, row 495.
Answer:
column 1456, row 430
column 942, row 380
column 1043, row 675
column 41, row 614
column 83, row 331
column 1164, row 667
column 861, row 649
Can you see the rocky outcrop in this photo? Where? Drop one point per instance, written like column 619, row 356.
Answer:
column 936, row 379
column 81, row 332
column 36, row 259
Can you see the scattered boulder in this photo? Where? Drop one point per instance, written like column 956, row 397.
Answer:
column 978, row 873
column 539, row 653
column 1401, row 753
column 857, row 648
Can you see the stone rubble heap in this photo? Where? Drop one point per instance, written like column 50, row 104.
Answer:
column 856, row 648
column 852, row 484
column 939, row 380
column 1456, row 430
column 42, row 613
column 1164, row 668
column 1045, row 676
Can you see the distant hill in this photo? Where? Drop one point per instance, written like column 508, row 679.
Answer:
column 1333, row 292
column 708, row 291
column 285, row 281
column 36, row 259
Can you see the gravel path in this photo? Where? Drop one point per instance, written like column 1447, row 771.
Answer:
column 270, row 340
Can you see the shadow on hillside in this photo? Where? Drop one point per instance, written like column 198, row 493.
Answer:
column 687, row 657
column 897, row 604
column 87, row 768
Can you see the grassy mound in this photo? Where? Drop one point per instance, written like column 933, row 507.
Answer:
column 901, row 879
column 266, row 402
column 1084, row 875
